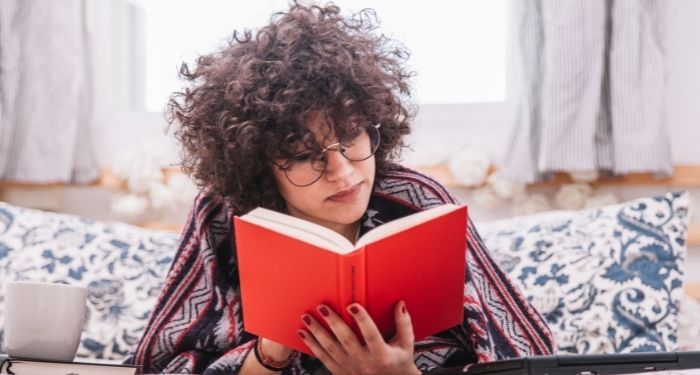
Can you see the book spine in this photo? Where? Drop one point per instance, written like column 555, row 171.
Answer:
column 351, row 283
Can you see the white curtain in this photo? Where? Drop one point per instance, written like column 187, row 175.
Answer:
column 590, row 78
column 45, row 92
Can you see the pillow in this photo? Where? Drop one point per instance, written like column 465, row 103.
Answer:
column 607, row 280
column 122, row 267
column 688, row 327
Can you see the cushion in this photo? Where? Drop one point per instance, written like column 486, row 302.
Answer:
column 688, row 327
column 122, row 267
column 607, row 280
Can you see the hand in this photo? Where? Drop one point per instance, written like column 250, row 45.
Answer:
column 344, row 353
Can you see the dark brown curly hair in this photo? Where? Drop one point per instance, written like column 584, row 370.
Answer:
column 249, row 102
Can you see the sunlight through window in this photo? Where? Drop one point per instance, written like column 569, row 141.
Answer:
column 457, row 48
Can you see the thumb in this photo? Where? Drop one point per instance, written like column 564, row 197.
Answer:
column 404, row 327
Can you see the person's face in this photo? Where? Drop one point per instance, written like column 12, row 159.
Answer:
column 339, row 197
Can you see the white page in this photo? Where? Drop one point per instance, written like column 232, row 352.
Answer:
column 325, row 238
column 404, row 223
column 300, row 229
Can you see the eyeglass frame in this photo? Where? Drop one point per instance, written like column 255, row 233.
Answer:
column 330, row 147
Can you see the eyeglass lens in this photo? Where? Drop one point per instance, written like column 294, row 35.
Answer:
column 306, row 167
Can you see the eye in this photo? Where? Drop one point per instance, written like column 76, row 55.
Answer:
column 301, row 157
column 352, row 135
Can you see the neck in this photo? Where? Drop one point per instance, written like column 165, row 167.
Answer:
column 349, row 231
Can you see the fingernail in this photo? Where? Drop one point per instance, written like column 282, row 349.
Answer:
column 353, row 309
column 403, row 309
column 301, row 334
column 307, row 319
column 323, row 310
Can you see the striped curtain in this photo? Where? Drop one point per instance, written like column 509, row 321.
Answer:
column 589, row 96
column 45, row 92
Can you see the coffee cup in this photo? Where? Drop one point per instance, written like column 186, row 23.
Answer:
column 43, row 320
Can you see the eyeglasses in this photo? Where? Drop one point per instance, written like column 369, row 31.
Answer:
column 306, row 167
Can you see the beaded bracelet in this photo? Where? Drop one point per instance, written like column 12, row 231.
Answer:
column 269, row 362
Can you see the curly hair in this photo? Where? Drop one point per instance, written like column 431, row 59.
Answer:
column 249, row 102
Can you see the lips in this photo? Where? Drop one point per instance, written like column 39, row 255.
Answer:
column 346, row 195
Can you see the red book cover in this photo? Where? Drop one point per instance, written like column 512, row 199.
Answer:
column 288, row 266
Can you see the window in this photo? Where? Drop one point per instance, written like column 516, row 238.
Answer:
column 457, row 47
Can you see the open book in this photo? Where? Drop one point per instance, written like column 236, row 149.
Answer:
column 288, row 266
column 23, row 366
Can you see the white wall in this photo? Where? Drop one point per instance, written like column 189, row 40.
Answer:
column 444, row 127
column 683, row 89
column 488, row 125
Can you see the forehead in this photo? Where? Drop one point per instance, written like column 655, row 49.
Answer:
column 317, row 132
column 324, row 127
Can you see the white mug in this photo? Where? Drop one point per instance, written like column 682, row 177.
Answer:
column 43, row 320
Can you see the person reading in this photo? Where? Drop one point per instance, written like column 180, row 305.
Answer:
column 306, row 116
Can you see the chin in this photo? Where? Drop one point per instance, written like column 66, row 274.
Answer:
column 349, row 212
column 350, row 215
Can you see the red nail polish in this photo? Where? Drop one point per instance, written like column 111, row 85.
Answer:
column 403, row 309
column 324, row 311
column 302, row 335
column 307, row 319
column 354, row 309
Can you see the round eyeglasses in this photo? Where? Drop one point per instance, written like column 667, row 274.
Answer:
column 306, row 167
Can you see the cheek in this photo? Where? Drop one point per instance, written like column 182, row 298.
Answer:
column 370, row 169
column 284, row 187
column 300, row 197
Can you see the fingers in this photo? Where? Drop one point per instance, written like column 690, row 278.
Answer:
column 327, row 344
column 370, row 332
column 404, row 327
column 343, row 333
column 318, row 350
column 343, row 342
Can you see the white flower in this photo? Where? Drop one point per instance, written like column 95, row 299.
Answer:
column 485, row 197
column 470, row 167
column 137, row 158
column 129, row 206
column 582, row 177
column 573, row 196
column 124, row 163
column 520, row 195
column 142, row 177
column 601, row 200
column 505, row 188
column 530, row 204
column 160, row 196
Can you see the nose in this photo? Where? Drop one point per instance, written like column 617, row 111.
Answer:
column 337, row 166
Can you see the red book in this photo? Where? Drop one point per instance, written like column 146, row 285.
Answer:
column 288, row 266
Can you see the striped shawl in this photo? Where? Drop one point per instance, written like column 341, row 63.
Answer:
column 197, row 326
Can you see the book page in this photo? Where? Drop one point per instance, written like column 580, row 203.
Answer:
column 39, row 367
column 300, row 229
column 398, row 225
